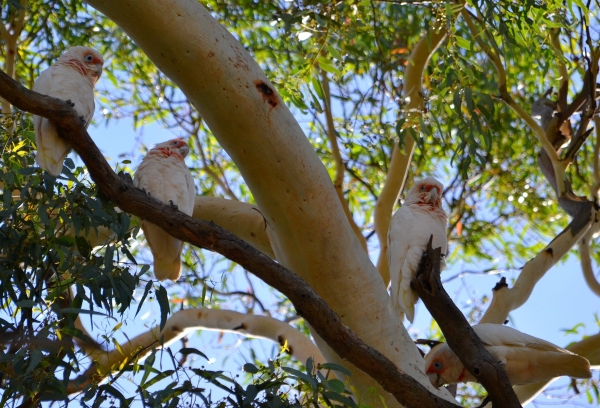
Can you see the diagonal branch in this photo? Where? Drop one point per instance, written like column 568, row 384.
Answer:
column 338, row 181
column 307, row 302
column 563, row 89
column 180, row 324
column 458, row 332
column 596, row 159
column 586, row 264
column 506, row 300
column 400, row 162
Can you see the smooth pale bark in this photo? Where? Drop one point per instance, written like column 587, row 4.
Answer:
column 241, row 219
column 586, row 263
column 311, row 235
column 186, row 321
column 395, row 179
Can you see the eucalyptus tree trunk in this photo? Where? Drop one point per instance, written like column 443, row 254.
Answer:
column 308, row 229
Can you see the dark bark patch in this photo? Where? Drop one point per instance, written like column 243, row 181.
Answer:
column 500, row 285
column 267, row 93
column 240, row 327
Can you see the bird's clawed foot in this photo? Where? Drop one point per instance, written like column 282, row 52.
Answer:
column 82, row 120
column 173, row 205
column 71, row 104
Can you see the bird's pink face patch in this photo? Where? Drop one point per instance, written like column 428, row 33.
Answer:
column 173, row 148
column 428, row 197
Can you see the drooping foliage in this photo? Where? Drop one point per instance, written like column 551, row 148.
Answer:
column 501, row 208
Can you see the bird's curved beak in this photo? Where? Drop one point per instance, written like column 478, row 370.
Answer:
column 433, row 196
column 435, row 379
column 98, row 72
column 184, row 149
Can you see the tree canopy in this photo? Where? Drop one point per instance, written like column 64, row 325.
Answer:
column 497, row 99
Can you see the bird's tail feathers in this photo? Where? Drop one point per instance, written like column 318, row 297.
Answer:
column 48, row 163
column 167, row 269
column 51, row 149
column 166, row 251
column 408, row 299
column 577, row 367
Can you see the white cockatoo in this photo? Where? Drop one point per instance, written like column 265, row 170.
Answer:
column 526, row 359
column 72, row 78
column 164, row 175
column 420, row 216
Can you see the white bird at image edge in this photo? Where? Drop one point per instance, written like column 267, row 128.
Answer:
column 72, row 78
column 526, row 359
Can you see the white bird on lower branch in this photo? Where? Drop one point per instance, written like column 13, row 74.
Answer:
column 164, row 175
column 526, row 359
column 412, row 225
column 72, row 78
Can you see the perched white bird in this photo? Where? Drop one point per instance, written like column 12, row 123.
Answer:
column 525, row 358
column 420, row 216
column 72, row 78
column 164, row 175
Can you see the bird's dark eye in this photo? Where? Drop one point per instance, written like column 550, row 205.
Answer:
column 89, row 58
column 438, row 365
column 422, row 189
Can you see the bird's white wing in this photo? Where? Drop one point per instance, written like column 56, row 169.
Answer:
column 500, row 335
column 51, row 149
column 43, row 84
column 398, row 245
column 528, row 359
column 168, row 180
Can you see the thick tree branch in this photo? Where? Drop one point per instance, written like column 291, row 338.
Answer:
column 181, row 324
column 338, row 181
column 586, row 264
column 596, row 160
column 292, row 188
column 241, row 219
column 307, row 302
column 400, row 162
column 458, row 332
column 506, row 300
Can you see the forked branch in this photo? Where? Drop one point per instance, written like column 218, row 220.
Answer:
column 308, row 303
column 458, row 332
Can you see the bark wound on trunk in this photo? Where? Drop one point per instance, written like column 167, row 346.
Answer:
column 267, row 93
